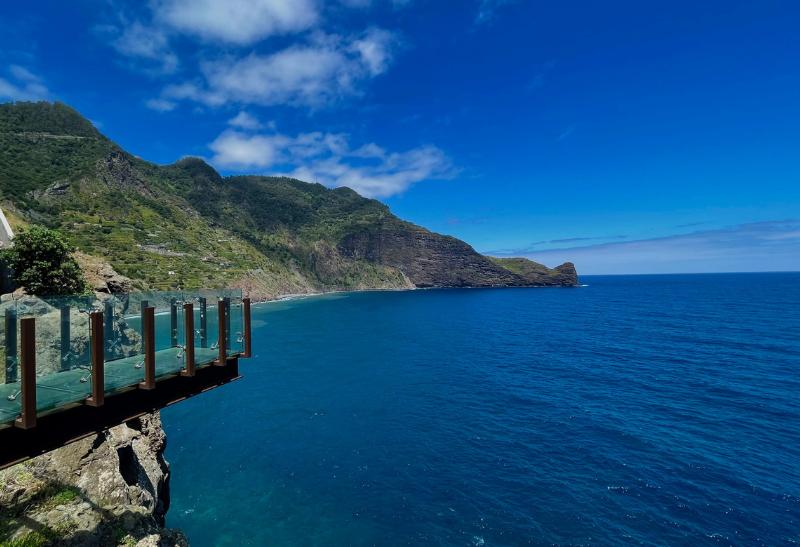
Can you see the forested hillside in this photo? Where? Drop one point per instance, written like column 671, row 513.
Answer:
column 183, row 225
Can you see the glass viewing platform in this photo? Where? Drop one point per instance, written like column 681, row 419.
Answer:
column 58, row 353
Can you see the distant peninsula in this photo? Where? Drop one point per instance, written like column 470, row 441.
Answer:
column 184, row 225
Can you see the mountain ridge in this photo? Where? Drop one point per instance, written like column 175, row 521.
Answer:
column 185, row 225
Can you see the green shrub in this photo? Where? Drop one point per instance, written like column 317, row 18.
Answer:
column 43, row 263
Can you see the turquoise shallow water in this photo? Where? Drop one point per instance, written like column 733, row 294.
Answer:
column 640, row 409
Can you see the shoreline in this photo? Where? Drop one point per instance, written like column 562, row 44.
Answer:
column 289, row 297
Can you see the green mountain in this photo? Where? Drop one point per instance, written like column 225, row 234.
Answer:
column 184, row 225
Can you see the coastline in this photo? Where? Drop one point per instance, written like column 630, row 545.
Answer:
column 289, row 297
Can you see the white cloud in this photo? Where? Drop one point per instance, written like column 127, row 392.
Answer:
column 374, row 49
column 23, row 85
column 238, row 151
column 240, row 22
column 243, row 120
column 143, row 43
column 328, row 158
column 161, row 105
column 23, row 74
column 312, row 74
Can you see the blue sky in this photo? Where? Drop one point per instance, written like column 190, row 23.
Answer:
column 629, row 137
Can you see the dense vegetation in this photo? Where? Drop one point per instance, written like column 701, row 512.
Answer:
column 43, row 264
column 183, row 225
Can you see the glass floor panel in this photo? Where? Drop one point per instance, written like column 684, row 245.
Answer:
column 169, row 361
column 122, row 373
column 204, row 356
column 62, row 388
column 9, row 410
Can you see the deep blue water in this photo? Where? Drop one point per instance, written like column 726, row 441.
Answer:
column 640, row 409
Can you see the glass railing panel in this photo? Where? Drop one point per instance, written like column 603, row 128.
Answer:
column 169, row 332
column 236, row 314
column 63, row 348
column 208, row 350
column 9, row 372
column 124, row 340
column 203, row 303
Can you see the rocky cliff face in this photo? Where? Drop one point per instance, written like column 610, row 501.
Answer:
column 432, row 260
column 109, row 489
column 537, row 274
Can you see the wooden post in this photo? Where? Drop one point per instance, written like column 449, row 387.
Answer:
column 27, row 419
column 247, row 332
column 11, row 345
column 173, row 322
column 149, row 332
column 203, row 322
column 66, row 347
column 97, row 398
column 142, row 305
column 222, row 360
column 188, row 351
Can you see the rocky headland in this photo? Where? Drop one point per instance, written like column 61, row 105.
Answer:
column 107, row 489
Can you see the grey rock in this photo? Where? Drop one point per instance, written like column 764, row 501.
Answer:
column 108, row 489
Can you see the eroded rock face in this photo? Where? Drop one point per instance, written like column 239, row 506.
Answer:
column 432, row 260
column 122, row 466
column 109, row 489
column 102, row 278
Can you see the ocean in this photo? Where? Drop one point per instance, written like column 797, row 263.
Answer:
column 634, row 410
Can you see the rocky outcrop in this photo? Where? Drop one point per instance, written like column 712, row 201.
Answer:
column 537, row 274
column 432, row 260
column 101, row 277
column 108, row 489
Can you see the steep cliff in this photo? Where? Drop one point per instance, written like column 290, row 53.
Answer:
column 108, row 489
column 432, row 260
column 536, row 274
column 184, row 225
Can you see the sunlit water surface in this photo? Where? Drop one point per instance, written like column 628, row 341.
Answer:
column 638, row 409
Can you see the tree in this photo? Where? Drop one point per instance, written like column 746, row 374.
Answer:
column 43, row 264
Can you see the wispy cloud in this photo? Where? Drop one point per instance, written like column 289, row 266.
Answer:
column 756, row 246
column 329, row 159
column 316, row 70
column 311, row 74
column 145, row 46
column 245, row 120
column 566, row 133
column 487, row 9
column 547, row 244
column 21, row 84
column 539, row 78
column 161, row 105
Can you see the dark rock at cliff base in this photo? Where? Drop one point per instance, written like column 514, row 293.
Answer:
column 108, row 489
